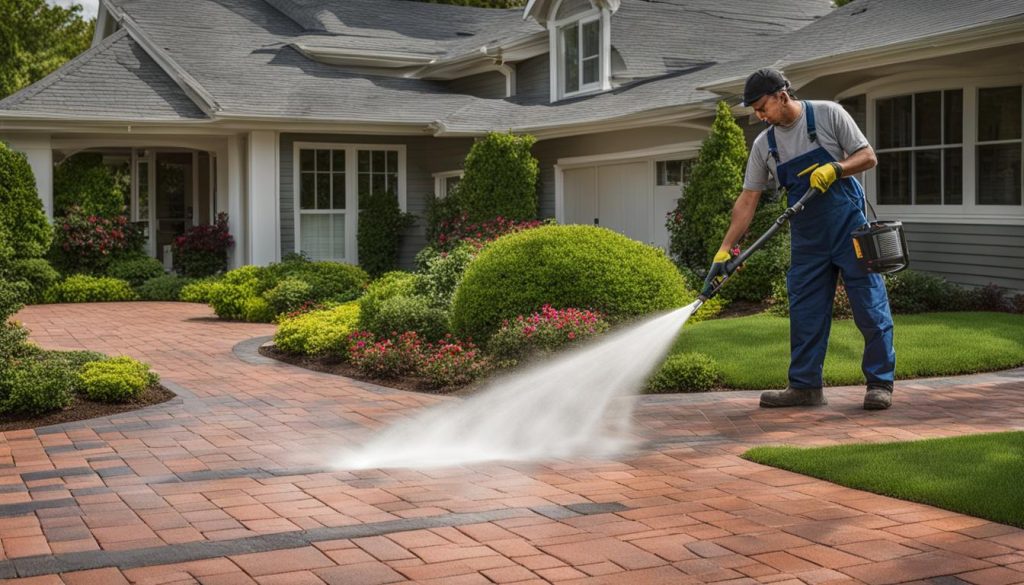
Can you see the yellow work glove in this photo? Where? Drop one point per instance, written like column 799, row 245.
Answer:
column 823, row 176
column 717, row 272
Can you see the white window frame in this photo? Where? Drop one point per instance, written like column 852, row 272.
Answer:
column 969, row 211
column 441, row 184
column 556, row 50
column 351, row 211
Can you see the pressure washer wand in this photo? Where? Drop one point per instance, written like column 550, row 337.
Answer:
column 730, row 267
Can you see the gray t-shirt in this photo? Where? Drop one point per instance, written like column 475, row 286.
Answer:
column 837, row 132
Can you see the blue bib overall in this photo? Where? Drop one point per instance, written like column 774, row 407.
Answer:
column 822, row 250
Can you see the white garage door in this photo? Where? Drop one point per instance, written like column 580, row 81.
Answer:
column 615, row 196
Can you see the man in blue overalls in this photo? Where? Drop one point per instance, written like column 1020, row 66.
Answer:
column 815, row 144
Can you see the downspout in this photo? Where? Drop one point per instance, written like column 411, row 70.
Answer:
column 509, row 71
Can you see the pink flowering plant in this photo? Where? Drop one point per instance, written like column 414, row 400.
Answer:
column 545, row 330
column 459, row 229
column 86, row 242
column 452, row 362
column 203, row 249
column 394, row 357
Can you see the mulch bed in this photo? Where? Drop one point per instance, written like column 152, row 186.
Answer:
column 742, row 309
column 83, row 408
column 329, row 365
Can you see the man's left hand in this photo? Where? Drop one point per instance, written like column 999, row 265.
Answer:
column 823, row 176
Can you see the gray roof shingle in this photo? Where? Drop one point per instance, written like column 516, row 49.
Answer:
column 116, row 79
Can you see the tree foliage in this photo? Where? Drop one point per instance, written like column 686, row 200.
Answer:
column 36, row 39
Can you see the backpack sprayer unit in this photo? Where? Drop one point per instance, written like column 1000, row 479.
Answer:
column 880, row 246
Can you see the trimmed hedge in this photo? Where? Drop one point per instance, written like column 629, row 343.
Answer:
column 119, row 379
column 500, row 178
column 564, row 266
column 81, row 288
column 135, row 269
column 318, row 332
column 686, row 372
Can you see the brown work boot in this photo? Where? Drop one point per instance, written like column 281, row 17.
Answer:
column 878, row 397
column 793, row 397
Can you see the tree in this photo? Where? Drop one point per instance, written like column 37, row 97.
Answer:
column 36, row 39
column 702, row 215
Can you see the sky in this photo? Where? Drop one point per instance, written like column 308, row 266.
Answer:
column 89, row 7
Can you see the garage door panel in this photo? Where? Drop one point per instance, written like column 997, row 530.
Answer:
column 624, row 202
column 580, row 188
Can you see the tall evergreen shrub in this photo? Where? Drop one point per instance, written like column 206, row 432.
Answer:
column 500, row 179
column 27, row 230
column 381, row 224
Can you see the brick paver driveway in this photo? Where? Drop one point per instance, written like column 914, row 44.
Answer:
column 227, row 484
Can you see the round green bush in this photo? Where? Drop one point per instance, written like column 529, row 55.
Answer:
column 257, row 310
column 318, row 332
column 400, row 314
column 564, row 266
column 686, row 372
column 81, row 288
column 37, row 274
column 36, row 385
column 118, row 379
column 389, row 285
column 166, row 287
column 328, row 281
column 289, row 294
column 199, row 291
column 21, row 210
column 135, row 269
column 229, row 300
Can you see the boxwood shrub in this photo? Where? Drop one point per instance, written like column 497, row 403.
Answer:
column 564, row 266
column 389, row 285
column 166, row 287
column 118, row 379
column 81, row 288
column 199, row 291
column 135, row 269
column 37, row 384
column 686, row 372
column 318, row 332
column 407, row 313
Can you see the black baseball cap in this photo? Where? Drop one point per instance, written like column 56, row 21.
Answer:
column 761, row 83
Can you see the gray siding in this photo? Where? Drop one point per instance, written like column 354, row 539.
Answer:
column 972, row 255
column 483, row 85
column 533, row 80
column 424, row 157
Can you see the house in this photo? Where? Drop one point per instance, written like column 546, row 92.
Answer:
column 280, row 112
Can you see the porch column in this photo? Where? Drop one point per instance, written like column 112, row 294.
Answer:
column 39, row 151
column 264, row 207
column 235, row 205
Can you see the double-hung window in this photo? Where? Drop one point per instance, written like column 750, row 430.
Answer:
column 920, row 148
column 581, row 55
column 332, row 181
column 999, row 146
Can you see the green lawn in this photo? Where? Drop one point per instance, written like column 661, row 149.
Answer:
column 753, row 352
column 979, row 475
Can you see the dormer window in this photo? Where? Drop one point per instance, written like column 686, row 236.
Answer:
column 580, row 48
column 581, row 55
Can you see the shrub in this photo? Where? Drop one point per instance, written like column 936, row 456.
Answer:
column 381, row 224
column 318, row 332
column 392, row 284
column 73, row 361
column 460, row 231
column 166, row 287
column 1017, row 303
column 37, row 274
column 441, row 273
column 401, row 313
column 779, row 300
column 86, row 243
column 257, row 310
column 990, row 297
column 288, row 295
column 198, row 291
column 500, row 179
column 83, row 181
column 12, row 335
column 135, row 269
column 21, row 210
column 546, row 330
column 441, row 213
column 203, row 249
column 329, row 281
column 453, row 363
column 564, row 266
column 916, row 292
column 81, row 288
column 754, row 282
column 686, row 372
column 35, row 385
column 229, row 300
column 387, row 358
column 700, row 220
column 118, row 379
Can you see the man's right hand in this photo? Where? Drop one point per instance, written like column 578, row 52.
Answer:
column 717, row 272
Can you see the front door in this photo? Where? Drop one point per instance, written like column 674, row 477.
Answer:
column 163, row 196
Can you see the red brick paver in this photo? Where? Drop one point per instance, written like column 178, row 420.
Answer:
column 241, row 458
